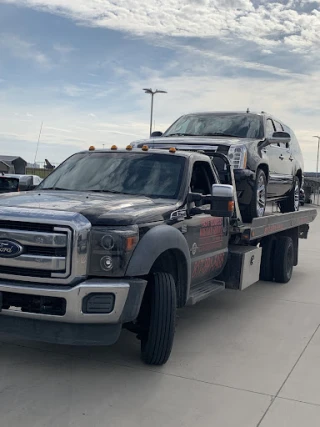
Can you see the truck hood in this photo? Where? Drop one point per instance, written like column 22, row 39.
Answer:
column 195, row 140
column 98, row 208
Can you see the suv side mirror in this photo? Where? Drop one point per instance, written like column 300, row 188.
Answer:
column 156, row 134
column 222, row 200
column 278, row 137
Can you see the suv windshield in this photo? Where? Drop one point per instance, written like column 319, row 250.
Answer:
column 9, row 185
column 145, row 174
column 232, row 125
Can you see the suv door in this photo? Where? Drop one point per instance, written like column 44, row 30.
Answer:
column 207, row 236
column 280, row 175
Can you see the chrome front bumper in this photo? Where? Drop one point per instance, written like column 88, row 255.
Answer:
column 74, row 297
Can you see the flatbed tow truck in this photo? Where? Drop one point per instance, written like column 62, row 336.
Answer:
column 118, row 239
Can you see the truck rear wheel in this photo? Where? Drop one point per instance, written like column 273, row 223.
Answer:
column 283, row 259
column 267, row 259
column 156, row 342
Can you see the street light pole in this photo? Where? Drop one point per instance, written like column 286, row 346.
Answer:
column 152, row 93
column 317, row 168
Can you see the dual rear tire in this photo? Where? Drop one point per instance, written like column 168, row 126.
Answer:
column 277, row 259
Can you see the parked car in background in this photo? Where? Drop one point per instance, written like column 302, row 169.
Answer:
column 11, row 183
column 302, row 197
column 264, row 152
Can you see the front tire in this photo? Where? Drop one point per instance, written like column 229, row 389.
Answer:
column 292, row 202
column 159, row 319
column 258, row 202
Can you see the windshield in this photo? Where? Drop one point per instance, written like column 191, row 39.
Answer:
column 9, row 185
column 232, row 125
column 152, row 175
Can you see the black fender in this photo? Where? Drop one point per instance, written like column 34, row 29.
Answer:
column 155, row 242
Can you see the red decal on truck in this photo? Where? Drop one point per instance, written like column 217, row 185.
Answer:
column 211, row 234
column 208, row 265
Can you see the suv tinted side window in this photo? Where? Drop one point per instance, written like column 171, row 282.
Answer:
column 278, row 126
column 270, row 128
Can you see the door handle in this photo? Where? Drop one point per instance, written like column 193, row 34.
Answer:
column 281, row 157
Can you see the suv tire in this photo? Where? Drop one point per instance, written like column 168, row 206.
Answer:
column 258, row 202
column 292, row 202
column 156, row 342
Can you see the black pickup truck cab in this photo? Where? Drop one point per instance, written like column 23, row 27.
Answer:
column 121, row 238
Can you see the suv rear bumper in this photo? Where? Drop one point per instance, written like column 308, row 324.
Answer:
column 31, row 315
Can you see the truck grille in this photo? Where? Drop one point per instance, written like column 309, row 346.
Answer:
column 49, row 247
column 46, row 250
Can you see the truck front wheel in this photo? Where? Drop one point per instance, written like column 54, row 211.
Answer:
column 158, row 317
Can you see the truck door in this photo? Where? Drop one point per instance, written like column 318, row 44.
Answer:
column 207, row 236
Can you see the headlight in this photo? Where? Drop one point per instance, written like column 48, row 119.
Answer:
column 238, row 156
column 111, row 249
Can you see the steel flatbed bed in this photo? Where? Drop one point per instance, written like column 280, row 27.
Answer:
column 275, row 223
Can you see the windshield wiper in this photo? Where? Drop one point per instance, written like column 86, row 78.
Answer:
column 106, row 191
column 220, row 134
column 180, row 134
column 55, row 188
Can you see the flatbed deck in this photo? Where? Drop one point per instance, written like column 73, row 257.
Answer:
column 274, row 223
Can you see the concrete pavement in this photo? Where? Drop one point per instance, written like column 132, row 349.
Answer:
column 240, row 359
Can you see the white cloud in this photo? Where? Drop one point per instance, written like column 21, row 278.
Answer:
column 267, row 24
column 23, row 49
column 63, row 49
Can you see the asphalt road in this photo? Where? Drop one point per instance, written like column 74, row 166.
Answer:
column 240, row 359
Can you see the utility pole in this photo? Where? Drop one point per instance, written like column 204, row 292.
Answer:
column 317, row 168
column 152, row 93
column 35, row 157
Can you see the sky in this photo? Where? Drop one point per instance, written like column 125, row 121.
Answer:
column 79, row 66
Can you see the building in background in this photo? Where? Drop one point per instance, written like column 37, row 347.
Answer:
column 12, row 164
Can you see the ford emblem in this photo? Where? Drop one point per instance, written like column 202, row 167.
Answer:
column 9, row 249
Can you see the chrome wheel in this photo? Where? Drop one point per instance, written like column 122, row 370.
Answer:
column 261, row 196
column 297, row 196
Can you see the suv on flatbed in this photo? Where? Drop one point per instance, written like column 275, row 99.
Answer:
column 264, row 152
column 121, row 238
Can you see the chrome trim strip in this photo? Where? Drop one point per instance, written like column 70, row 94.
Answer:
column 67, row 269
column 33, row 238
column 73, row 297
column 36, row 262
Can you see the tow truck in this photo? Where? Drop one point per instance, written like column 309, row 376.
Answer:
column 122, row 238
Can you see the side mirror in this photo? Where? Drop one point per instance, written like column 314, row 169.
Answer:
column 156, row 134
column 278, row 137
column 222, row 201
